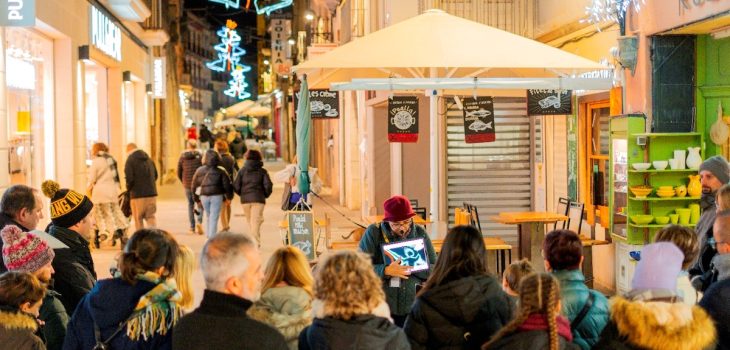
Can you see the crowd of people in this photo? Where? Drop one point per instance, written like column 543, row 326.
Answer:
column 50, row 297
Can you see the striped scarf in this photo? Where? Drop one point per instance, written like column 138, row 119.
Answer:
column 157, row 311
column 112, row 165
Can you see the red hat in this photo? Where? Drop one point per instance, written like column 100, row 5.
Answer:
column 398, row 208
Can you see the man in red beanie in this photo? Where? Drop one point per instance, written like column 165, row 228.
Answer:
column 399, row 283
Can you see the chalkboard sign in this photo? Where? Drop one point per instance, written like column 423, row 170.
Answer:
column 403, row 119
column 301, row 231
column 549, row 102
column 479, row 119
column 323, row 104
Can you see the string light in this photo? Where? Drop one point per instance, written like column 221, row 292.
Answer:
column 229, row 52
column 237, row 85
column 610, row 11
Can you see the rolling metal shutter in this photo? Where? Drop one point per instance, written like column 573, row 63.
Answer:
column 494, row 176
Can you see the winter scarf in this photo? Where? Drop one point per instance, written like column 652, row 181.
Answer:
column 112, row 165
column 157, row 311
column 539, row 322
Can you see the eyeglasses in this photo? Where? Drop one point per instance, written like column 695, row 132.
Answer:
column 405, row 223
column 713, row 243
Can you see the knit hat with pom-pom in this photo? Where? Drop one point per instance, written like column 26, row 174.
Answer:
column 24, row 252
column 68, row 207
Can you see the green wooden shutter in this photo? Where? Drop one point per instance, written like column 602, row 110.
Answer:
column 673, row 80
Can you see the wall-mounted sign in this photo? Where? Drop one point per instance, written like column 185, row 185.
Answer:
column 403, row 119
column 549, row 102
column 323, row 103
column 301, row 231
column 17, row 13
column 479, row 119
column 105, row 34
column 269, row 6
column 281, row 60
column 159, row 83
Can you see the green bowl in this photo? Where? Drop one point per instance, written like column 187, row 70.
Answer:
column 661, row 220
column 642, row 219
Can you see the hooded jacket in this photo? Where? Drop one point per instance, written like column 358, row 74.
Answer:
column 141, row 175
column 18, row 331
column 533, row 334
column 229, row 164
column 55, row 317
column 188, row 163
column 110, row 303
column 288, row 309
column 573, row 295
column 238, row 148
column 639, row 325
column 252, row 183
column 430, row 324
column 715, row 301
column 74, row 273
column 212, row 179
column 364, row 332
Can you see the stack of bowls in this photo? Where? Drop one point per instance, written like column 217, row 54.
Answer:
column 665, row 191
column 641, row 191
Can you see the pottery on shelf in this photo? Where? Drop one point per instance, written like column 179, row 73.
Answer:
column 680, row 155
column 694, row 160
column 694, row 188
column 694, row 213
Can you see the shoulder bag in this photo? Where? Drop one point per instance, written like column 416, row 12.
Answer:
column 583, row 312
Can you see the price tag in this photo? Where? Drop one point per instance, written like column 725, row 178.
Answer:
column 395, row 282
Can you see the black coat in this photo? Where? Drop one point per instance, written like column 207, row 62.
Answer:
column 715, row 303
column 188, row 163
column 252, row 183
column 75, row 275
column 359, row 333
column 533, row 340
column 439, row 316
column 238, row 148
column 55, row 317
column 140, row 174
column 221, row 323
column 212, row 179
column 228, row 163
column 6, row 220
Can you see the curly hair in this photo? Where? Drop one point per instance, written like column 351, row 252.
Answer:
column 684, row 238
column 539, row 294
column 347, row 285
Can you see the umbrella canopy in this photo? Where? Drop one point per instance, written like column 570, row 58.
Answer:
column 237, row 122
column 455, row 46
column 304, row 127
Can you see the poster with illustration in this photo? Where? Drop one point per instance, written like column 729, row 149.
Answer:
column 479, row 119
column 549, row 102
column 410, row 253
column 323, row 104
column 403, row 119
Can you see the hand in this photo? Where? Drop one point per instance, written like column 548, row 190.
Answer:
column 395, row 269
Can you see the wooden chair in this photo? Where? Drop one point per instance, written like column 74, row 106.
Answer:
column 472, row 210
column 422, row 212
column 575, row 216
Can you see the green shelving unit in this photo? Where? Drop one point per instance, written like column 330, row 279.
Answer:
column 657, row 199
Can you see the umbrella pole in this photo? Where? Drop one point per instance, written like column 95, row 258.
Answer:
column 434, row 156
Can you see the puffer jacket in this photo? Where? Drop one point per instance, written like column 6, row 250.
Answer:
column 18, row 330
column 228, row 163
column 212, row 179
column 439, row 316
column 288, row 309
column 140, row 174
column 654, row 325
column 364, row 332
column 238, row 147
column 252, row 183
column 573, row 296
column 188, row 163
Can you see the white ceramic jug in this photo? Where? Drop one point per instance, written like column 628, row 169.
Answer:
column 693, row 158
column 680, row 155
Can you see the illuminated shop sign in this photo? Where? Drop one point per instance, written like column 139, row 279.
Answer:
column 159, row 83
column 105, row 34
column 17, row 13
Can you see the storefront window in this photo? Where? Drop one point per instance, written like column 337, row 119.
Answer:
column 97, row 122
column 29, row 81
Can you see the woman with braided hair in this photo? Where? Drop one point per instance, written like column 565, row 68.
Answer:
column 538, row 324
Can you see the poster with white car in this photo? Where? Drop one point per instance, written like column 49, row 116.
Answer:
column 403, row 119
column 324, row 104
column 479, row 119
column 549, row 102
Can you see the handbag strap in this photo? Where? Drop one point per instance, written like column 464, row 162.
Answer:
column 120, row 327
column 583, row 312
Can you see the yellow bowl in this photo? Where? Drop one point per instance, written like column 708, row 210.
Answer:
column 665, row 188
column 665, row 194
column 641, row 192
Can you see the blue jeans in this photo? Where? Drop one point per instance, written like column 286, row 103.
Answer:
column 191, row 209
column 212, row 206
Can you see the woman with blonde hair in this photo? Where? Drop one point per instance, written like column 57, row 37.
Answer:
column 538, row 324
column 722, row 199
column 286, row 299
column 349, row 293
column 184, row 266
column 103, row 189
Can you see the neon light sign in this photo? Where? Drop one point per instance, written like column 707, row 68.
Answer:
column 229, row 3
column 237, row 85
column 270, row 6
column 229, row 52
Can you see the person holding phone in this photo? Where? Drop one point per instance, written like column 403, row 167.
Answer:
column 399, row 283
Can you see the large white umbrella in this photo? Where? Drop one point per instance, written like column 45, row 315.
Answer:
column 439, row 51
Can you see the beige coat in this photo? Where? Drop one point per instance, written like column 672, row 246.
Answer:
column 101, row 182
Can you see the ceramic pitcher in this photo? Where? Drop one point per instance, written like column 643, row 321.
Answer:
column 693, row 158
column 694, row 213
column 695, row 187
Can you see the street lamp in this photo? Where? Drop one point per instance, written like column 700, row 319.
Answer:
column 292, row 41
column 266, row 62
column 309, row 15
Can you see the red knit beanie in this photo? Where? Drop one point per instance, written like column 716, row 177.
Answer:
column 24, row 252
column 398, row 208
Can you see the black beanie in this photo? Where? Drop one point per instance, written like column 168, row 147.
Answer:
column 68, row 207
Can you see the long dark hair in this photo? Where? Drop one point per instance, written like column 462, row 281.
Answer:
column 148, row 250
column 462, row 255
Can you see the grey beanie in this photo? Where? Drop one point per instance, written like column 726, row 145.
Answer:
column 718, row 166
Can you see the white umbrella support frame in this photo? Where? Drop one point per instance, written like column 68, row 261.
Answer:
column 470, row 83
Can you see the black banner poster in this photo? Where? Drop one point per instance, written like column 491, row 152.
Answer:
column 324, row 104
column 301, row 231
column 479, row 119
column 403, row 119
column 549, row 102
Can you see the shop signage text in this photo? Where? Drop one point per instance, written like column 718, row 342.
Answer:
column 479, row 119
column 280, row 48
column 549, row 102
column 403, row 119
column 323, row 104
column 105, row 34
column 17, row 13
column 159, row 83
column 301, row 231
